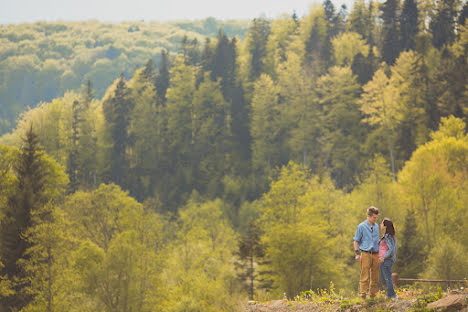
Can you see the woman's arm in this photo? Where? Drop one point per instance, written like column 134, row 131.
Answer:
column 391, row 246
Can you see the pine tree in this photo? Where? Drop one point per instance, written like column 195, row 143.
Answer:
column 190, row 50
column 30, row 195
column 463, row 16
column 148, row 72
column 250, row 248
column 442, row 26
column 362, row 68
column 410, row 249
column 117, row 110
column 256, row 45
column 162, row 78
column 359, row 19
column 390, row 31
column 409, row 24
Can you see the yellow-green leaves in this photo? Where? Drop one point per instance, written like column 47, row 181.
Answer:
column 346, row 46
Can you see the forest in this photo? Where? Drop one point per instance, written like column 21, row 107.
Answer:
column 237, row 166
column 41, row 61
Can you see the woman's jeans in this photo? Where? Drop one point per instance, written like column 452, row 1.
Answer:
column 386, row 272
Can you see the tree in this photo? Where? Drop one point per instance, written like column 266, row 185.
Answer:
column 117, row 106
column 442, row 25
column 447, row 260
column 379, row 103
column 265, row 125
column 72, row 166
column 200, row 275
column 390, row 31
column 162, row 78
column 463, row 16
column 211, row 137
column 363, row 68
column 409, row 25
column 410, row 251
column 179, row 132
column 48, row 264
column 341, row 130
column 315, row 32
column 296, row 243
column 250, row 249
column 297, row 106
column 87, row 140
column 144, row 133
column 346, row 46
column 118, row 260
column 39, row 181
column 435, row 192
column 282, row 31
column 359, row 20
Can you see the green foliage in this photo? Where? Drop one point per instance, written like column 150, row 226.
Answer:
column 295, row 241
column 200, row 274
column 447, row 260
column 225, row 122
column 346, row 46
column 41, row 61
column 118, row 260
column 423, row 301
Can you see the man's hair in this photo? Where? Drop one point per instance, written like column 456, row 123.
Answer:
column 372, row 211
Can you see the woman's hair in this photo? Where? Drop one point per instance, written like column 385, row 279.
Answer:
column 390, row 228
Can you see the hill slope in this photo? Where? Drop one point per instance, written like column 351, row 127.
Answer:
column 40, row 61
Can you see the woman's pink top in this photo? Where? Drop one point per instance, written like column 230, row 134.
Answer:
column 383, row 248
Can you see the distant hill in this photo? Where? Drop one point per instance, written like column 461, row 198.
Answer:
column 40, row 61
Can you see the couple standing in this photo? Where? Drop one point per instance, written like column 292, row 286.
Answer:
column 373, row 252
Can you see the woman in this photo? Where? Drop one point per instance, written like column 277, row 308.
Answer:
column 387, row 255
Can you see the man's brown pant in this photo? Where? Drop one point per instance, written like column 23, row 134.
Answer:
column 369, row 266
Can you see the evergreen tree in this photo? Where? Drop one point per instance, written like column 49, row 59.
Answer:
column 341, row 126
column 179, row 133
column 410, row 251
column 409, row 24
column 463, row 16
column 315, row 43
column 250, row 250
column 362, row 68
column 442, row 25
column 30, row 195
column 190, row 50
column 256, row 45
column 117, row 108
column 211, row 137
column 162, row 78
column 359, row 19
column 88, row 94
column 224, row 64
column 390, row 31
column 148, row 72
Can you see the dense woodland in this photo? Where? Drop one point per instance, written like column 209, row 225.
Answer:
column 240, row 168
column 41, row 61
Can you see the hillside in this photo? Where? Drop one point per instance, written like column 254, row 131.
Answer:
column 40, row 61
column 455, row 300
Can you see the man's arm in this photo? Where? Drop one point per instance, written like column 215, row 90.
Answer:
column 357, row 257
column 356, row 246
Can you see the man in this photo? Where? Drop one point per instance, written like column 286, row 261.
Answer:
column 366, row 247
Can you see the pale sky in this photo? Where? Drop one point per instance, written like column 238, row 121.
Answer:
column 18, row 11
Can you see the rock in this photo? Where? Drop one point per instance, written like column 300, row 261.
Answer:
column 277, row 303
column 450, row 302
